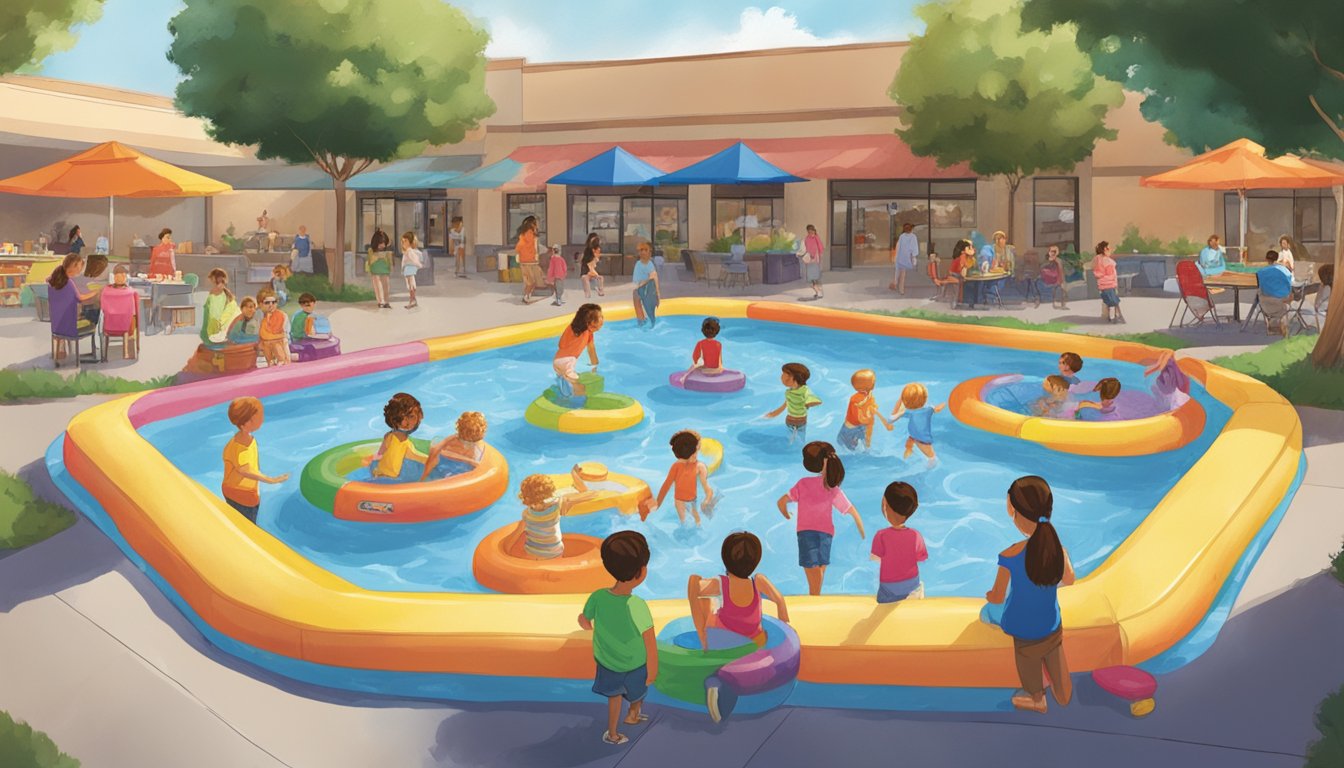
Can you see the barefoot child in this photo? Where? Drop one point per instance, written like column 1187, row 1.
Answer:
column 684, row 473
column 898, row 548
column 466, row 445
column 556, row 271
column 861, row 412
column 708, row 353
column 914, row 407
column 816, row 496
column 412, row 259
column 797, row 399
column 542, row 510
column 625, row 645
column 573, row 341
column 1103, row 268
column 242, row 470
column 403, row 414
column 274, row 325
column 740, row 593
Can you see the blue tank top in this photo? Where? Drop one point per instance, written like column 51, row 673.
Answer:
column 1031, row 611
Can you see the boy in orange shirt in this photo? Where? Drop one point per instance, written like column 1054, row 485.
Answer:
column 683, row 474
column 274, row 325
column 862, row 409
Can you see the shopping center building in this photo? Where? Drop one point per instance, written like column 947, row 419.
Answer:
column 821, row 113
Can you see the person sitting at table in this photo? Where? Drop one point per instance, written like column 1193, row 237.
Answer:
column 163, row 257
column 64, row 297
column 1003, row 257
column 1212, row 258
column 1289, row 251
column 963, row 263
column 1275, row 283
column 91, row 282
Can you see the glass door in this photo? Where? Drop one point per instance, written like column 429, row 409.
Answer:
column 410, row 218
column 874, row 230
column 636, row 223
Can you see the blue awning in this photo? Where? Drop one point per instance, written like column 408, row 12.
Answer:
column 737, row 164
column 432, row 172
column 613, row 168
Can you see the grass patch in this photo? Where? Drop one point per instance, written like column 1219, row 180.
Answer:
column 1329, row 751
column 1286, row 367
column 1054, row 326
column 39, row 384
column 26, row 519
column 1159, row 339
column 23, row 747
column 320, row 287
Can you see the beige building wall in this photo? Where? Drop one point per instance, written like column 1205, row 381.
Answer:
column 23, row 218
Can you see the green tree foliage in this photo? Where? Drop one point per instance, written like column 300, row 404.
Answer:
column 23, row 747
column 339, row 83
column 977, row 88
column 31, row 30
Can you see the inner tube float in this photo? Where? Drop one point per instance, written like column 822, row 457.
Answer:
column 596, row 412
column 500, row 564
column 699, row 381
column 1128, row 437
column 315, row 348
column 733, row 674
column 326, row 484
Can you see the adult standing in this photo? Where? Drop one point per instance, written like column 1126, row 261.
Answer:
column 907, row 252
column 379, row 266
column 64, row 297
column 528, row 263
column 76, row 241
column 163, row 257
column 647, row 295
column 301, row 253
column 812, row 250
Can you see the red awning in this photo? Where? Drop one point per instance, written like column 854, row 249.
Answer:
column 869, row 156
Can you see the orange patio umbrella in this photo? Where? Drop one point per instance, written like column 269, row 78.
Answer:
column 1242, row 165
column 112, row 170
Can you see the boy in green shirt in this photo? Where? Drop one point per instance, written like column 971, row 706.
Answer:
column 624, row 643
column 301, row 325
column 797, row 399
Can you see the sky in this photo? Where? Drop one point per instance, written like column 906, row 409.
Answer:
column 539, row 30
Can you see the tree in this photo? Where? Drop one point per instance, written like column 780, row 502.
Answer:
column 976, row 88
column 1217, row 70
column 31, row 30
column 339, row 83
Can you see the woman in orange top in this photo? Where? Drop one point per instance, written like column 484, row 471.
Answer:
column 577, row 337
column 527, row 257
column 274, row 325
column 163, row 258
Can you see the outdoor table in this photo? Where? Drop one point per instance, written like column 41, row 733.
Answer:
column 1236, row 281
column 979, row 287
column 156, row 290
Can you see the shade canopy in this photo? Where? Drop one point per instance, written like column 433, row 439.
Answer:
column 613, row 168
column 431, row 172
column 1242, row 165
column 737, row 164
column 112, row 170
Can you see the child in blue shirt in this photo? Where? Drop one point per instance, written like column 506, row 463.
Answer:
column 914, row 406
column 1070, row 363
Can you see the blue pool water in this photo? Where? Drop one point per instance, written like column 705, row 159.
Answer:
column 1098, row 501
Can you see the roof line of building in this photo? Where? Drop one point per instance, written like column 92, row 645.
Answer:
column 87, row 90
column 569, row 65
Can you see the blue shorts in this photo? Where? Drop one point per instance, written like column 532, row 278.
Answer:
column 814, row 549
column 249, row 512
column 409, row 271
column 850, row 437
column 1110, row 298
column 633, row 685
column 896, row 591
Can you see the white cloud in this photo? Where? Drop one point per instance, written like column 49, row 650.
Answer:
column 509, row 38
column 774, row 27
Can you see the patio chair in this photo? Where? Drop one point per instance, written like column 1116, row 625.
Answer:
column 84, row 330
column 1028, row 277
column 121, row 322
column 181, row 312
column 40, row 303
column 1063, row 290
column 735, row 269
column 1196, row 300
column 714, row 272
column 697, row 264
column 1304, row 312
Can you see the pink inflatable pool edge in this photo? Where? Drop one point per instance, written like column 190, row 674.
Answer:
column 728, row 381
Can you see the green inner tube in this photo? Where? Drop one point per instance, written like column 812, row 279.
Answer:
column 328, row 471
column 546, row 410
column 682, row 671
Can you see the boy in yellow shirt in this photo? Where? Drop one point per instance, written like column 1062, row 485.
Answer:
column 242, row 471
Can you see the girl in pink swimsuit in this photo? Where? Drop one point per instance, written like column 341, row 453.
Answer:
column 739, row 590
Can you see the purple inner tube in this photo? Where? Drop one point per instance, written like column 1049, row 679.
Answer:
column 316, row 349
column 728, row 381
column 772, row 666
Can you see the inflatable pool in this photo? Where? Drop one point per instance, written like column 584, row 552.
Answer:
column 699, row 381
column 327, row 484
column 500, row 563
column 732, row 671
column 999, row 404
column 595, row 412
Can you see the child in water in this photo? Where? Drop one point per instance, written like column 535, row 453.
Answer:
column 683, row 475
column 1107, row 389
column 797, row 399
column 708, row 353
column 403, row 414
column 1070, row 363
column 816, row 496
column 739, row 592
column 242, row 468
column 466, row 445
column 862, row 410
column 1055, row 399
column 898, row 548
column 573, row 341
column 914, row 406
column 542, row 509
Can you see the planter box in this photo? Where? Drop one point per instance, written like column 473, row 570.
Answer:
column 779, row 267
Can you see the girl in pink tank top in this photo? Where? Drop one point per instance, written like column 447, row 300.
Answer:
column 741, row 554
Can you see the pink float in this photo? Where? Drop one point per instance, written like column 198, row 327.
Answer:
column 698, row 381
column 1129, row 683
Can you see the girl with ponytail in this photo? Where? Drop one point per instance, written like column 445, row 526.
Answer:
column 816, row 496
column 1023, row 601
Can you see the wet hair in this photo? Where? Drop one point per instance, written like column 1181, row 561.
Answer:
column 1108, row 388
column 60, row 277
column 1102, row 246
column 1072, row 360
column 536, row 490
column 96, row 265
column 243, row 410
column 399, row 407
column 624, row 554
column 797, row 371
column 1271, row 256
column 820, row 456
column 685, row 443
column 1327, row 275
column 584, row 318
column 710, row 327
column 247, row 301
column 73, row 231
column 914, row 395
column 471, row 426
column 307, row 298
column 216, row 275
column 901, row 498
column 528, row 223
column 741, row 554
column 164, row 231
column 1056, row 383
column 1031, row 498
column 864, row 379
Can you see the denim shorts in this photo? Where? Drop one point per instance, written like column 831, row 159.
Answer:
column 249, row 512
column 633, row 685
column 814, row 549
column 1110, row 298
column 851, row 437
column 896, row 591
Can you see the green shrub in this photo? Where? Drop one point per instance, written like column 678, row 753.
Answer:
column 725, row 244
column 1329, row 751
column 1133, row 242
column 1337, row 565
column 1184, row 246
column 1286, row 367
column 26, row 519
column 231, row 242
column 23, row 747
column 320, row 287
column 1054, row 326
column 34, row 383
column 1157, row 339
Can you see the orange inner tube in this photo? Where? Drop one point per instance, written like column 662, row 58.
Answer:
column 501, row 564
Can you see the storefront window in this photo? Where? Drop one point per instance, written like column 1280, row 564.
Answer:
column 1306, row 214
column 868, row 216
column 519, row 207
column 621, row 220
column 1054, row 206
column 400, row 212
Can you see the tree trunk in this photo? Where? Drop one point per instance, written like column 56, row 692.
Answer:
column 1330, row 344
column 1014, row 181
column 336, row 260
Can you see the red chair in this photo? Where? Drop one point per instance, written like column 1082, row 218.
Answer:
column 1196, row 300
column 120, row 320
column 943, row 284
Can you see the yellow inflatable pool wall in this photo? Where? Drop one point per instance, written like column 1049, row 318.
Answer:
column 1148, row 594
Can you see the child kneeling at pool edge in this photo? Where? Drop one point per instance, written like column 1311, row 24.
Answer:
column 739, row 591
column 898, row 548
